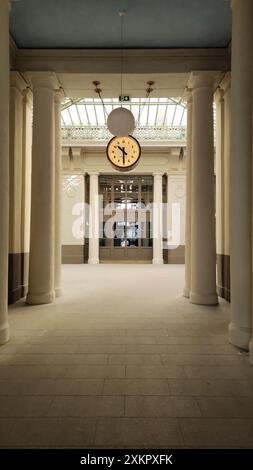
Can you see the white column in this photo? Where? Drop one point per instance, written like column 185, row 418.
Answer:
column 4, row 168
column 158, row 219
column 175, row 217
column 26, row 183
column 240, row 326
column 223, row 186
column 41, row 288
column 203, row 253
column 219, row 170
column 17, row 86
column 187, row 287
column 227, row 156
column 219, row 178
column 94, row 220
column 58, row 193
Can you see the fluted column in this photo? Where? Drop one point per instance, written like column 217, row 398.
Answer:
column 41, row 287
column 4, row 168
column 26, row 185
column 94, row 220
column 240, row 327
column 223, row 151
column 226, row 86
column 158, row 219
column 58, row 194
column 16, row 254
column 203, row 253
column 219, row 172
column 187, row 287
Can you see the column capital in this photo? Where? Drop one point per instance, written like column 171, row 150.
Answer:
column 225, row 84
column 27, row 96
column 93, row 173
column 158, row 173
column 203, row 79
column 43, row 80
column 16, row 81
column 219, row 95
column 188, row 95
column 59, row 96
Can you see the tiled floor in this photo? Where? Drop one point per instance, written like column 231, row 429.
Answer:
column 123, row 360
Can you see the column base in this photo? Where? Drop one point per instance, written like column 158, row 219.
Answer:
column 157, row 261
column 38, row 299
column 186, row 292
column 93, row 261
column 240, row 337
column 58, row 292
column 200, row 299
column 4, row 334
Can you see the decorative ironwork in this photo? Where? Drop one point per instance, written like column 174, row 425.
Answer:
column 101, row 133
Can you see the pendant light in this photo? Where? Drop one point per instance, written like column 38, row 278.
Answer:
column 120, row 121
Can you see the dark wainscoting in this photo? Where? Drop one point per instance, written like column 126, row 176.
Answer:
column 74, row 254
column 223, row 276
column 17, row 276
column 175, row 256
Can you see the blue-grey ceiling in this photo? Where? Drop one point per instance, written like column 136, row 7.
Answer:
column 96, row 24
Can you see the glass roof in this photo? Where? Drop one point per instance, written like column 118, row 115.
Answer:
column 161, row 112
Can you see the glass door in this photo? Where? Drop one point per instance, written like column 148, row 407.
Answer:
column 127, row 196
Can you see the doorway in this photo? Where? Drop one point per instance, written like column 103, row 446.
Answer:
column 131, row 239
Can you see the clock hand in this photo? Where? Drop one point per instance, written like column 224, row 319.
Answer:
column 123, row 153
column 122, row 150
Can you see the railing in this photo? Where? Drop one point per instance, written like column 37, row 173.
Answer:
column 100, row 133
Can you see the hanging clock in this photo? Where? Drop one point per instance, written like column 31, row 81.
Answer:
column 123, row 152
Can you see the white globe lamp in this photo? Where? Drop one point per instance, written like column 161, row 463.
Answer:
column 121, row 122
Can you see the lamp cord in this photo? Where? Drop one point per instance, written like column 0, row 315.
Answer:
column 121, row 62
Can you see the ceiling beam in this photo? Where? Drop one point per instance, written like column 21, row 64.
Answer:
column 140, row 61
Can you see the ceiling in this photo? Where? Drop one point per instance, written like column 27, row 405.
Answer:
column 96, row 24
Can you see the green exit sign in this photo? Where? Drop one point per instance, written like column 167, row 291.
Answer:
column 124, row 98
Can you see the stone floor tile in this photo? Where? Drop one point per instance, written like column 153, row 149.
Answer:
column 52, row 387
column 160, row 406
column 143, row 332
column 96, row 372
column 87, row 406
column 81, row 341
column 138, row 432
column 218, row 372
column 154, row 372
column 49, row 432
column 101, row 348
column 145, row 349
column 53, row 359
column 215, row 433
column 137, row 359
column 136, row 387
column 24, row 406
column 203, row 359
column 226, row 407
column 207, row 387
column 134, row 339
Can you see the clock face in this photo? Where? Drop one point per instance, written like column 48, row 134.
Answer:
column 123, row 152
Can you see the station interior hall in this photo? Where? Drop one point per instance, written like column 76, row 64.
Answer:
column 126, row 224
